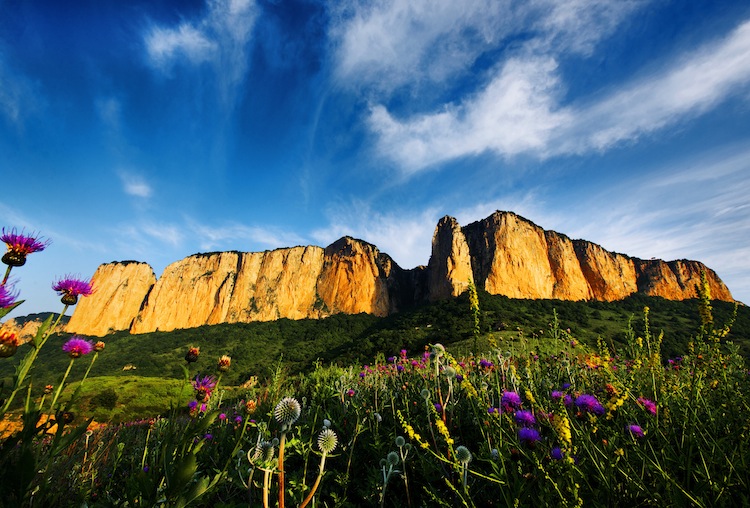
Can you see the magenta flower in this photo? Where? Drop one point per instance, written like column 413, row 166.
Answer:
column 77, row 347
column 635, row 430
column 529, row 436
column 20, row 245
column 648, row 405
column 557, row 395
column 525, row 418
column 70, row 288
column 7, row 297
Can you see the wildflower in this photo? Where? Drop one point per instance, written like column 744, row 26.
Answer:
column 648, row 405
column 77, row 347
column 19, row 246
column 485, row 364
column 263, row 452
column 511, row 400
column 392, row 458
column 350, row 392
column 222, row 416
column 48, row 389
column 287, row 411
column 556, row 453
column 224, row 362
column 238, row 419
column 556, row 395
column 438, row 407
column 203, row 387
column 7, row 297
column 438, row 350
column 635, row 430
column 400, row 441
column 525, row 418
column 99, row 346
column 192, row 354
column 251, row 406
column 8, row 343
column 590, row 404
column 529, row 436
column 327, row 441
column 70, row 288
column 463, row 455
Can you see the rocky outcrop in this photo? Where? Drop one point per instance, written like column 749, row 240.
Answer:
column 119, row 291
column 503, row 254
column 26, row 327
column 514, row 257
column 449, row 269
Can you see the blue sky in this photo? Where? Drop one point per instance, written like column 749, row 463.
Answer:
column 148, row 130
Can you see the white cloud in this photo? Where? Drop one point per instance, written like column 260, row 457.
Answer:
column 698, row 81
column 164, row 45
column 135, row 185
column 389, row 43
column 515, row 113
column 519, row 110
column 231, row 235
column 218, row 39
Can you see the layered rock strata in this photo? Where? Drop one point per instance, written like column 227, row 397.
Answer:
column 503, row 254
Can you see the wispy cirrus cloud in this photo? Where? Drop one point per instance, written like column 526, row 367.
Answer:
column 231, row 235
column 134, row 184
column 219, row 39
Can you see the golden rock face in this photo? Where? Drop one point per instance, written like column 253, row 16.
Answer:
column 503, row 254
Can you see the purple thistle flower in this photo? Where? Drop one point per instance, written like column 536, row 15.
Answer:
column 525, row 418
column 648, row 405
column 192, row 405
column 7, row 297
column 223, row 417
column 590, row 404
column 511, row 400
column 529, row 436
column 77, row 347
column 438, row 407
column 567, row 399
column 557, row 395
column 635, row 430
column 485, row 364
column 238, row 419
column 20, row 245
column 556, row 453
column 203, row 387
column 70, row 288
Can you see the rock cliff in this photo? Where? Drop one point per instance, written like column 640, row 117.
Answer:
column 503, row 254
column 119, row 292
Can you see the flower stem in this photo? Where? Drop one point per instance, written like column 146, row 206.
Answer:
column 282, row 442
column 7, row 273
column 60, row 386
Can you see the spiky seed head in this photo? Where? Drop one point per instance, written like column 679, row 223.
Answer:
column 438, row 350
column 263, row 452
column 287, row 411
column 327, row 440
column 400, row 441
column 392, row 458
column 463, row 455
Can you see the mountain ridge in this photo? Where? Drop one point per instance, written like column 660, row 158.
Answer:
column 503, row 254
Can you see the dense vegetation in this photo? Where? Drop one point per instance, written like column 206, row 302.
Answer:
column 258, row 348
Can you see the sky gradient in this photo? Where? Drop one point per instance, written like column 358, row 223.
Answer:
column 152, row 130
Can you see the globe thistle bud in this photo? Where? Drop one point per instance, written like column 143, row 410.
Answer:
column 98, row 346
column 400, row 441
column 463, row 455
column 263, row 452
column 287, row 411
column 392, row 458
column 449, row 372
column 438, row 350
column 327, row 441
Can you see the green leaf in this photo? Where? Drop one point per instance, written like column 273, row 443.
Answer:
column 182, row 474
column 6, row 310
